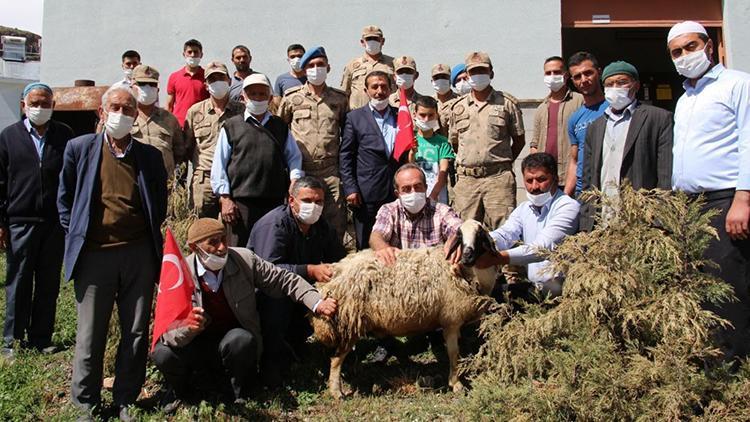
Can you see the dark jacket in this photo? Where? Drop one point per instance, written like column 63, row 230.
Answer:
column 243, row 274
column 79, row 176
column 646, row 160
column 28, row 187
column 366, row 168
column 277, row 239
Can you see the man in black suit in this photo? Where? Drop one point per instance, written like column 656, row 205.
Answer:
column 630, row 141
column 366, row 156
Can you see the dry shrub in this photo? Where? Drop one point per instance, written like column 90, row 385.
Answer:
column 628, row 339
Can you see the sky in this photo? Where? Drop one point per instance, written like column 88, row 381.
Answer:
column 25, row 14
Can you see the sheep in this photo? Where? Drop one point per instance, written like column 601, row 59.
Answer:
column 419, row 293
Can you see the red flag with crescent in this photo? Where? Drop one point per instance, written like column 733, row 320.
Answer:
column 405, row 139
column 174, row 297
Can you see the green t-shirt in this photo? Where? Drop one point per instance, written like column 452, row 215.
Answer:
column 429, row 153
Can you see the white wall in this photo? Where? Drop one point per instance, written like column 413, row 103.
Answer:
column 10, row 95
column 83, row 39
column 737, row 33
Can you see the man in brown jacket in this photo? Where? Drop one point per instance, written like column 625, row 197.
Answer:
column 551, row 118
column 223, row 329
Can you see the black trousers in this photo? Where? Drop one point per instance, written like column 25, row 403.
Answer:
column 284, row 325
column 34, row 261
column 733, row 259
column 251, row 210
column 364, row 219
column 235, row 352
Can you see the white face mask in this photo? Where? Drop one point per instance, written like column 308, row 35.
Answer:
column 372, row 46
column 309, row 212
column 618, row 98
column 218, row 89
column 118, row 125
column 211, row 261
column 147, row 94
column 316, row 75
column 128, row 73
column 256, row 107
column 479, row 82
column 428, row 125
column 413, row 202
column 38, row 115
column 294, row 64
column 404, row 80
column 192, row 61
column 692, row 65
column 539, row 200
column 554, row 82
column 441, row 86
column 379, row 105
column 463, row 87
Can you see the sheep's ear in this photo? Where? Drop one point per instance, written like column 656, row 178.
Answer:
column 457, row 241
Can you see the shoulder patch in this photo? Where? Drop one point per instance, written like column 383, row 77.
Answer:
column 356, row 65
column 509, row 97
column 198, row 117
column 296, row 99
column 459, row 109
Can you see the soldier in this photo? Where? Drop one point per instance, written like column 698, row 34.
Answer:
column 353, row 80
column 406, row 74
column 202, row 125
column 441, row 83
column 154, row 125
column 316, row 115
column 487, row 125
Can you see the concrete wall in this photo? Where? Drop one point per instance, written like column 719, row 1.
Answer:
column 83, row 39
column 14, row 76
column 737, row 33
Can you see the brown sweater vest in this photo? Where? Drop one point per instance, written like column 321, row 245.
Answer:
column 117, row 215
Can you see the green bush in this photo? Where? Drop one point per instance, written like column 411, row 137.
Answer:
column 628, row 340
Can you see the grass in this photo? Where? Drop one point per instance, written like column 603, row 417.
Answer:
column 37, row 387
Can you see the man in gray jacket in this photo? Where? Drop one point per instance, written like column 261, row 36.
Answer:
column 223, row 328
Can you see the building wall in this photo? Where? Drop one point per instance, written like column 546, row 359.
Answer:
column 85, row 38
column 737, row 33
column 14, row 76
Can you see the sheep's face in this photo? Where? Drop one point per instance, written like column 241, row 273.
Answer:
column 474, row 240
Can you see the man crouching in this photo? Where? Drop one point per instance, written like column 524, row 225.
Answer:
column 223, row 328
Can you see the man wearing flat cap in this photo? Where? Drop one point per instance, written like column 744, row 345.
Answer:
column 353, row 80
column 31, row 153
column 316, row 114
column 223, row 328
column 712, row 158
column 487, row 127
column 154, row 125
column 255, row 158
column 630, row 141
column 406, row 73
column 203, row 122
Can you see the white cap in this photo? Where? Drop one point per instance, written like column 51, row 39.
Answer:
column 255, row 79
column 687, row 27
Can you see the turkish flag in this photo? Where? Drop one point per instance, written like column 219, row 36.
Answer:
column 405, row 137
column 174, row 299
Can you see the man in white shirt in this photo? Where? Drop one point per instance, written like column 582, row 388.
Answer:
column 544, row 221
column 712, row 158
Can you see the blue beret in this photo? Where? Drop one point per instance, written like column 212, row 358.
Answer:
column 620, row 68
column 36, row 85
column 312, row 53
column 457, row 70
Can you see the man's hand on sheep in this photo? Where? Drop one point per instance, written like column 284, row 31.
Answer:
column 387, row 255
column 327, row 307
column 490, row 259
column 321, row 273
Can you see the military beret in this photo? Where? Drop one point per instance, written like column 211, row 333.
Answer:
column 457, row 70
column 312, row 53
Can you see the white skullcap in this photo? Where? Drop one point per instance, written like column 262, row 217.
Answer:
column 687, row 27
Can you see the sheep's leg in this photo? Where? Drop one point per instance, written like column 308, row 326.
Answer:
column 334, row 377
column 451, row 335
